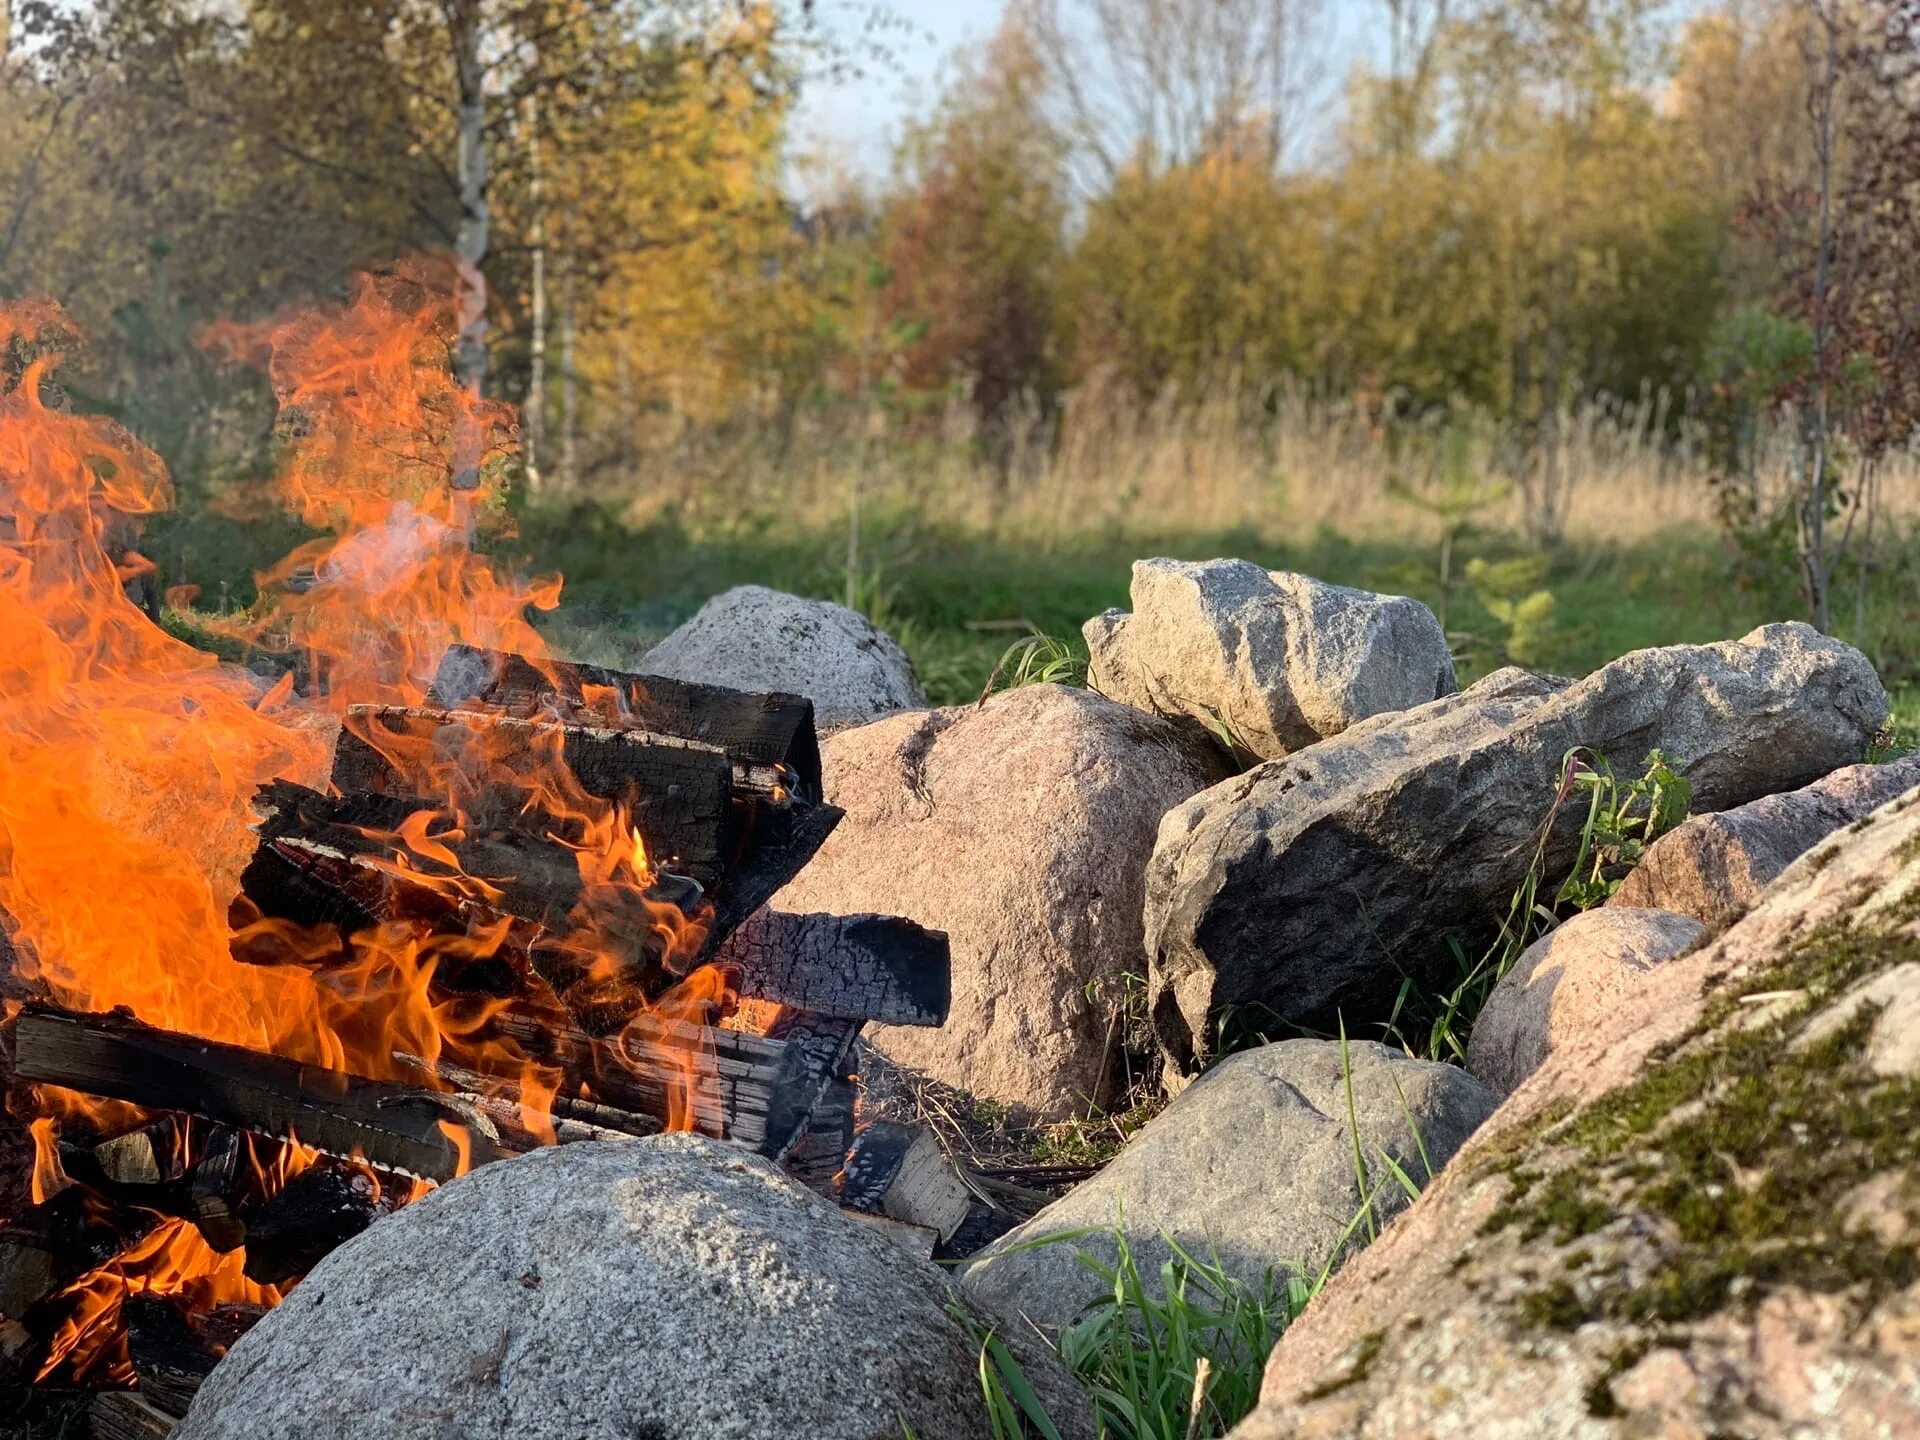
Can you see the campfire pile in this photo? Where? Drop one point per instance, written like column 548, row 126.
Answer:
column 584, row 859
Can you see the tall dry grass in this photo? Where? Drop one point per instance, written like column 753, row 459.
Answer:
column 1226, row 455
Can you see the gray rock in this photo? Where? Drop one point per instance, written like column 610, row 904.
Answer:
column 1701, row 1222
column 1315, row 882
column 1714, row 866
column 1568, row 985
column 1253, row 1165
column 753, row 638
column 1281, row 660
column 673, row 1287
column 1021, row 828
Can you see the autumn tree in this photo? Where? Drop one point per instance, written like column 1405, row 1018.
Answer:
column 973, row 234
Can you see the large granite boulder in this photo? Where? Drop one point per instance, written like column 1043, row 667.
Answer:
column 1280, row 660
column 1021, row 827
column 1253, row 1165
column 1316, row 882
column 1700, row 1222
column 664, row 1288
column 1569, row 985
column 1714, row 866
column 753, row 638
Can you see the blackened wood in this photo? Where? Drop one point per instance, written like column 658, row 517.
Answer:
column 724, row 1080
column 679, row 797
column 124, row 1415
column 593, row 1116
column 220, row 1174
column 817, row 1053
column 396, row 1128
column 771, row 729
column 315, row 1212
column 816, row 1160
column 781, row 844
column 169, row 1357
column 346, row 846
column 50, row 1245
column 901, row 1171
column 855, row 967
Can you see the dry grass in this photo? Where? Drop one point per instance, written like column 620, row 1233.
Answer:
column 1275, row 462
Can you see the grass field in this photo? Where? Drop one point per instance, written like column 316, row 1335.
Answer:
column 957, row 600
column 958, row 558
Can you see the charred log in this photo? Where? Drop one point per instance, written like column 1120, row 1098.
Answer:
column 413, row 1131
column 901, row 1172
column 851, row 967
column 50, row 1245
column 321, row 1208
column 678, row 795
column 752, row 730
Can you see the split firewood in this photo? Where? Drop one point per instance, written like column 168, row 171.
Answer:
column 773, row 730
column 416, row 1132
column 678, row 796
column 854, row 967
column 125, row 1415
column 900, row 1171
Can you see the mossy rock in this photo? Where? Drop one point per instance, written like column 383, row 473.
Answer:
column 1705, row 1221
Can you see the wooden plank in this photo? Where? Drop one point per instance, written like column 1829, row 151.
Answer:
column 770, row 729
column 679, row 797
column 855, row 967
column 900, row 1171
column 123, row 1415
column 413, row 1131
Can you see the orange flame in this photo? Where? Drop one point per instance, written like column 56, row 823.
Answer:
column 129, row 760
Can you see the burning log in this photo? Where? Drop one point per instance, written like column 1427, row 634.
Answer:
column 726, row 1080
column 678, row 795
column 850, row 967
column 343, row 861
column 50, row 1245
column 752, row 730
column 417, row 1132
column 322, row 1207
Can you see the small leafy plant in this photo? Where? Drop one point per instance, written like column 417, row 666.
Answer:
column 1623, row 818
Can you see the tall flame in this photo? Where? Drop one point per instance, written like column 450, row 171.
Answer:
column 129, row 760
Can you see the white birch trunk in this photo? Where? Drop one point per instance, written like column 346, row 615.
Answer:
column 536, row 416
column 470, row 241
column 569, row 385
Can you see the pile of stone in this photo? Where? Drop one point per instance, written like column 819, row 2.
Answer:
column 1671, row 1191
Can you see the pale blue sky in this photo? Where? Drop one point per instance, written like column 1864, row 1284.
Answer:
column 860, row 116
